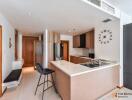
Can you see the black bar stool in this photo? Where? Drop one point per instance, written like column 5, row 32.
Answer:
column 46, row 72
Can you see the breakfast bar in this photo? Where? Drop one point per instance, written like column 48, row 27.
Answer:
column 79, row 82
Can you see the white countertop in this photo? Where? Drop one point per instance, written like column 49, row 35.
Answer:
column 72, row 69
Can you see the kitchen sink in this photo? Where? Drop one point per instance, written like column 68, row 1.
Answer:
column 96, row 63
column 91, row 65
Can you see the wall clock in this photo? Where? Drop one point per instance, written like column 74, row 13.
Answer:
column 105, row 36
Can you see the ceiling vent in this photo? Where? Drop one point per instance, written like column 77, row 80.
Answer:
column 96, row 2
column 106, row 20
column 108, row 7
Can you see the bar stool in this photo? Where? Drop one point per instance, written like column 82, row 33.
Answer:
column 46, row 72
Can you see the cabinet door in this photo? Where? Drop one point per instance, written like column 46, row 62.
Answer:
column 73, row 59
column 90, row 40
column 78, row 60
column 76, row 41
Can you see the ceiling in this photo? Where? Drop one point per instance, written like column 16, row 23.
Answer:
column 64, row 16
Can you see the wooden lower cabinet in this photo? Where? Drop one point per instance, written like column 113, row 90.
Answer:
column 78, row 60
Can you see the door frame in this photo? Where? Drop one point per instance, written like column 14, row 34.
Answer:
column 0, row 60
column 67, row 41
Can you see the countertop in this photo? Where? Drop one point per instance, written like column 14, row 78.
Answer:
column 72, row 69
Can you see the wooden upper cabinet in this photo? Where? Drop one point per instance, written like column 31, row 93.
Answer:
column 90, row 39
column 87, row 42
column 76, row 41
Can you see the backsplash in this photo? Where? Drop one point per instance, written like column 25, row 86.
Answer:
column 87, row 51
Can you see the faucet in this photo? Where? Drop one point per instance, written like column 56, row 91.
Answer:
column 97, row 61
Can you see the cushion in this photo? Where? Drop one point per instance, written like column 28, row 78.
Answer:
column 13, row 76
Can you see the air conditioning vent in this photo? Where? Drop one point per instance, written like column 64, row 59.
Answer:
column 106, row 20
column 108, row 7
column 96, row 2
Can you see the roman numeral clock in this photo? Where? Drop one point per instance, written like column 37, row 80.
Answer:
column 105, row 37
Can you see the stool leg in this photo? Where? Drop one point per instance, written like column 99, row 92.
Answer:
column 47, row 81
column 38, row 84
column 53, row 82
column 43, row 87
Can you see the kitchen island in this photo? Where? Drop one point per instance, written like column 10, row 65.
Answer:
column 78, row 82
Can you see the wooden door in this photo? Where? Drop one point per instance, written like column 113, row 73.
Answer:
column 90, row 40
column 65, row 50
column 28, row 50
column 0, row 60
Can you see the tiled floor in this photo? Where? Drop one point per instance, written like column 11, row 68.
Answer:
column 25, row 91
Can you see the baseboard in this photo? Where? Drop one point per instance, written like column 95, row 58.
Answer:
column 4, row 90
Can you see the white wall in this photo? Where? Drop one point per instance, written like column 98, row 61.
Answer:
column 125, row 19
column 7, row 53
column 72, row 51
column 110, row 51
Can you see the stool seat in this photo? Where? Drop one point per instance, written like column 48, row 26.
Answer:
column 47, row 71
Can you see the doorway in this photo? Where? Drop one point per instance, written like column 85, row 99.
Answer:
column 0, row 60
column 65, row 50
column 28, row 52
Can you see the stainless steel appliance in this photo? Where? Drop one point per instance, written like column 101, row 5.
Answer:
column 38, row 47
column 58, row 53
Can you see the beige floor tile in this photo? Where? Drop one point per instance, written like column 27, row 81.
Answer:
column 26, row 89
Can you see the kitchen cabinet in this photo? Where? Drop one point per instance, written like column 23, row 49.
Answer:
column 78, row 60
column 76, row 41
column 85, row 40
column 90, row 40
